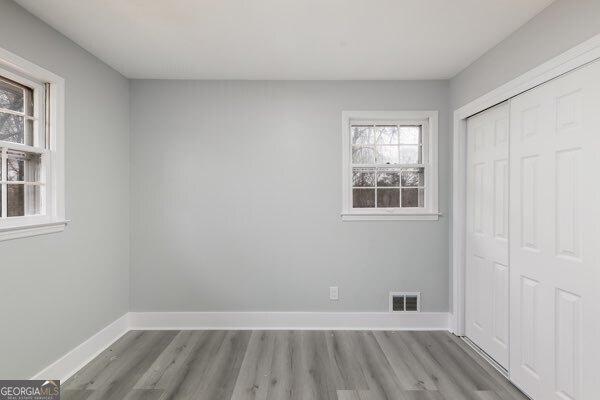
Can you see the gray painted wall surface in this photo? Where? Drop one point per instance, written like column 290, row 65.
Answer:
column 560, row 26
column 58, row 290
column 236, row 197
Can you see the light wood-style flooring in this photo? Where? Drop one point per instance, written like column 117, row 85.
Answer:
column 294, row 365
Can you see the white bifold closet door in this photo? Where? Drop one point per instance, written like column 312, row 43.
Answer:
column 487, row 267
column 554, row 237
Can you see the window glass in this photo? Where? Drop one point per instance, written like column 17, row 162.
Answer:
column 21, row 180
column 387, row 166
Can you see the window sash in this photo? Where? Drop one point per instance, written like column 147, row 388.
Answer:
column 423, row 154
column 400, row 188
column 39, row 146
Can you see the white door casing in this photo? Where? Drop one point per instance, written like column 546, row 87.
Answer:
column 554, row 237
column 487, row 267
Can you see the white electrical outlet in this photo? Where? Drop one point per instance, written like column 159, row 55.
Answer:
column 333, row 293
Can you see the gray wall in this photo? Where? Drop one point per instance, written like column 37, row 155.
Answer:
column 562, row 25
column 58, row 290
column 236, row 196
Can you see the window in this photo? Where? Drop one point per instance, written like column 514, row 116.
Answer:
column 31, row 149
column 390, row 165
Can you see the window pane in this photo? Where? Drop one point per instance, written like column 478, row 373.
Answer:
column 33, row 199
column 387, row 154
column 22, row 200
column 410, row 154
column 15, row 200
column 362, row 177
column 363, row 198
column 23, row 166
column 29, row 102
column 386, row 134
column 412, row 197
column 11, row 128
column 363, row 155
column 362, row 135
column 388, row 177
column 15, row 169
column 410, row 134
column 413, row 177
column 11, row 96
column 388, row 198
column 29, row 133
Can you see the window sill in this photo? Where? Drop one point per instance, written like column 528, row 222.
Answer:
column 423, row 216
column 35, row 229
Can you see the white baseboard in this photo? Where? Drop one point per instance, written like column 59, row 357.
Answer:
column 290, row 320
column 74, row 360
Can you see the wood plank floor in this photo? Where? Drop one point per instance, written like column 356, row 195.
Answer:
column 294, row 365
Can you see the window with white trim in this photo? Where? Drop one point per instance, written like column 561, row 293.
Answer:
column 31, row 149
column 390, row 165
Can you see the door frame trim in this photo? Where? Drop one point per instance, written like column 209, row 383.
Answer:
column 574, row 58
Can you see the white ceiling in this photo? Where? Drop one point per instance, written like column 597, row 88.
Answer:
column 287, row 39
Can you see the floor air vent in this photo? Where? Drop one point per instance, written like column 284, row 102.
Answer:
column 405, row 301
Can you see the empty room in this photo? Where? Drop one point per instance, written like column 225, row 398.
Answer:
column 299, row 199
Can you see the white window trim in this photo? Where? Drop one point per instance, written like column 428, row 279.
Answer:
column 431, row 213
column 54, row 219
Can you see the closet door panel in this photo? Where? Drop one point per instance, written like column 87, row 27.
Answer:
column 553, row 236
column 487, row 267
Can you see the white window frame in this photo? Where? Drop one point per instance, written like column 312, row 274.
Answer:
column 430, row 136
column 52, row 171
